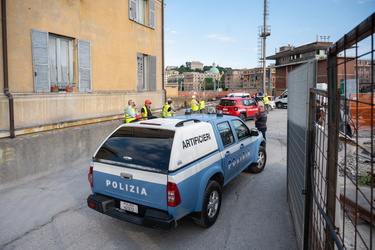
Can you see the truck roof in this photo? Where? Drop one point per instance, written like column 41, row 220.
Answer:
column 174, row 122
column 193, row 136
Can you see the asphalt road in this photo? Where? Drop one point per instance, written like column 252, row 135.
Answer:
column 51, row 212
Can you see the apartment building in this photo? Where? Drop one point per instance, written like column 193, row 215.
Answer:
column 168, row 74
column 195, row 65
column 234, row 79
column 77, row 62
column 193, row 81
column 290, row 57
column 253, row 79
column 196, row 81
column 172, row 82
column 170, row 67
column 363, row 72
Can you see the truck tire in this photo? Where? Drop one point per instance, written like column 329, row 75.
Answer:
column 258, row 166
column 279, row 105
column 243, row 117
column 211, row 205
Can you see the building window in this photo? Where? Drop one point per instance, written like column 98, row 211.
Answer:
column 53, row 62
column 139, row 10
column 146, row 72
column 60, row 51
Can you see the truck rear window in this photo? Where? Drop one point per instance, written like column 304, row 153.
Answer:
column 138, row 147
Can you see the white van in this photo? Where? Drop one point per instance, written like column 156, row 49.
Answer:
column 282, row 100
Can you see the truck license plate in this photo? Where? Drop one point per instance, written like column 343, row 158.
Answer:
column 225, row 108
column 128, row 206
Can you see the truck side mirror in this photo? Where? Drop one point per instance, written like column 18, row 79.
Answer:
column 254, row 132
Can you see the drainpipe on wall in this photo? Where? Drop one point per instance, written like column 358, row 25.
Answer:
column 5, row 69
column 162, row 51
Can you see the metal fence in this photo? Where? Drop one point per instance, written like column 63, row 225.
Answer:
column 339, row 178
column 300, row 80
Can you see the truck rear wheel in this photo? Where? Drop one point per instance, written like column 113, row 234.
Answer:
column 279, row 105
column 258, row 166
column 211, row 205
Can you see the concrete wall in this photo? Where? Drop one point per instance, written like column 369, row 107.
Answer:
column 36, row 155
column 34, row 112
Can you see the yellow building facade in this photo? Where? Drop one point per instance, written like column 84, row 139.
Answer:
column 72, row 62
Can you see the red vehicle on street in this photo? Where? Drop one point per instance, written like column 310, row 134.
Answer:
column 245, row 108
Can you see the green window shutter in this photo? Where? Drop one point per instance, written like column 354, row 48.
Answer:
column 151, row 15
column 139, row 72
column 84, row 66
column 133, row 10
column 152, row 73
column 40, row 61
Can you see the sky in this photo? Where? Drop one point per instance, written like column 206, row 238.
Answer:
column 227, row 32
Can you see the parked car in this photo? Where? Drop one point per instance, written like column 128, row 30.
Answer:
column 157, row 171
column 271, row 103
column 245, row 108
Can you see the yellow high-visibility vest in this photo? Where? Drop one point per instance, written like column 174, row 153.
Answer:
column 165, row 111
column 266, row 100
column 128, row 118
column 193, row 105
column 201, row 105
column 146, row 112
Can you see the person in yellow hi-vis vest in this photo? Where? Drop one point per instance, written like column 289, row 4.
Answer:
column 131, row 111
column 146, row 110
column 266, row 102
column 167, row 109
column 194, row 105
column 201, row 105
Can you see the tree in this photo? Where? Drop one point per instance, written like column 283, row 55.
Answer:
column 186, row 68
column 208, row 84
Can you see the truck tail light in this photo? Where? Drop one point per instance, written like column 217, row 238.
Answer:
column 90, row 177
column 92, row 205
column 173, row 195
column 235, row 108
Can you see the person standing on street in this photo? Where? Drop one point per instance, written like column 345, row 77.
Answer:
column 261, row 121
column 319, row 112
column 266, row 102
column 145, row 111
column 167, row 109
column 201, row 105
column 131, row 111
column 194, row 105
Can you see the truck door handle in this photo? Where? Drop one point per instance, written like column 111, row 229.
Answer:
column 241, row 146
column 126, row 176
column 227, row 153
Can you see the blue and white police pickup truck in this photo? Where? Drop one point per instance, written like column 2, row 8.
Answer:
column 156, row 171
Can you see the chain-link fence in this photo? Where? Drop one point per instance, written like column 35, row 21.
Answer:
column 340, row 177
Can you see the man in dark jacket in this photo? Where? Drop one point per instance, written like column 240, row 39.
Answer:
column 261, row 121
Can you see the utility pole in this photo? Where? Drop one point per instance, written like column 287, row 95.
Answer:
column 264, row 32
